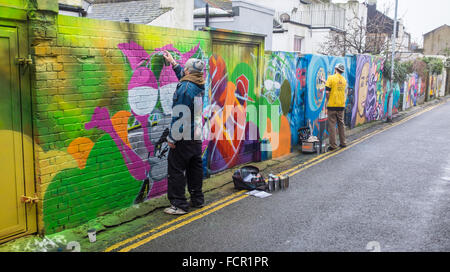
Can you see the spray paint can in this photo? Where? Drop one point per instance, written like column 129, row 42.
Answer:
column 270, row 184
column 281, row 183
column 277, row 185
column 163, row 54
column 285, row 181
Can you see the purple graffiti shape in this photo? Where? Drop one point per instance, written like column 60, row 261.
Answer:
column 135, row 53
column 184, row 57
column 142, row 75
column 167, row 75
column 102, row 121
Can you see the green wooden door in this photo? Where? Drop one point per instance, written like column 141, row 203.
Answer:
column 13, row 218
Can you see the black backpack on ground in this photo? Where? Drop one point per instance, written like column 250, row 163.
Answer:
column 249, row 178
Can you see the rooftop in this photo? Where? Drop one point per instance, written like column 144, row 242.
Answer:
column 135, row 11
column 220, row 4
column 442, row 26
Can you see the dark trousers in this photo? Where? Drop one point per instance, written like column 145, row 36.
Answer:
column 185, row 167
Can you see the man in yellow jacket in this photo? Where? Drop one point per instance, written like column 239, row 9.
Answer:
column 336, row 96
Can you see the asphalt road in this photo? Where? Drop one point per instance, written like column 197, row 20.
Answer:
column 393, row 189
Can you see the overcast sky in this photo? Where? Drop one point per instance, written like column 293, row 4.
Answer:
column 419, row 16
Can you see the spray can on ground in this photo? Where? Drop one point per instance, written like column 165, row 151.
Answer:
column 285, row 181
column 281, row 183
column 277, row 185
column 270, row 184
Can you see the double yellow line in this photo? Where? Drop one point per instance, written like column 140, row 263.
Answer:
column 154, row 233
column 145, row 237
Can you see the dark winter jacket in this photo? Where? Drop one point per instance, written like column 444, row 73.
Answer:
column 190, row 91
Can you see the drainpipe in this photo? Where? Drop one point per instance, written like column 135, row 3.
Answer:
column 207, row 15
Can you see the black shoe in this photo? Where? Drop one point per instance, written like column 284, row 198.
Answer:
column 331, row 149
column 343, row 146
column 196, row 206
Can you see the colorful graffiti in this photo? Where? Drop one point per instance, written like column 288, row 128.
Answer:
column 422, row 91
column 318, row 68
column 412, row 89
column 370, row 96
column 283, row 84
column 230, row 132
column 437, row 85
column 145, row 155
column 135, row 136
column 296, row 84
column 395, row 97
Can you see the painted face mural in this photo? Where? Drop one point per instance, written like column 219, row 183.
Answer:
column 374, row 106
column 370, row 91
column 361, row 89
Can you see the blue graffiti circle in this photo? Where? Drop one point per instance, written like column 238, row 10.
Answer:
column 316, row 76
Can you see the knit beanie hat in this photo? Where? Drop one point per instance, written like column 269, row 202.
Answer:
column 195, row 65
column 340, row 67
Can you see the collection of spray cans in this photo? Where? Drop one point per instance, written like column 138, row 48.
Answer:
column 277, row 183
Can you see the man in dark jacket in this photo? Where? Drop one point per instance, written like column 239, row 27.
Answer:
column 185, row 155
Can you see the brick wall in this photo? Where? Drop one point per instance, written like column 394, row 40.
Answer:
column 87, row 72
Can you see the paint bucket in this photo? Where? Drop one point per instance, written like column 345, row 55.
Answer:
column 92, row 234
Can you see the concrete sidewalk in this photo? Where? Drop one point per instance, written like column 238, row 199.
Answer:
column 120, row 225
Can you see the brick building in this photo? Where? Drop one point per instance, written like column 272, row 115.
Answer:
column 437, row 41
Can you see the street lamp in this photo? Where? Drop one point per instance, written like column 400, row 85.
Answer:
column 391, row 93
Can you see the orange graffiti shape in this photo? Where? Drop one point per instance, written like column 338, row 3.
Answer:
column 80, row 149
column 120, row 124
column 284, row 139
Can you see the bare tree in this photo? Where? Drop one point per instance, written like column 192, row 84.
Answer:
column 362, row 36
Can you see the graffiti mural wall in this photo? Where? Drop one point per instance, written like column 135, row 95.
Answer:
column 437, row 85
column 317, row 69
column 231, row 111
column 370, row 94
column 113, row 114
column 411, row 92
column 282, row 91
column 296, row 85
column 396, row 107
column 231, row 93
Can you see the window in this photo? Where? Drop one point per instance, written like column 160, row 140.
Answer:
column 298, row 43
